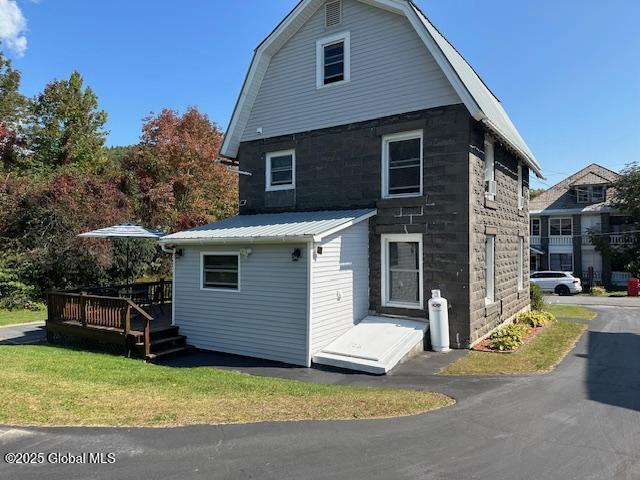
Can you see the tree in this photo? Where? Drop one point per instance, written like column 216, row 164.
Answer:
column 66, row 126
column 535, row 192
column 179, row 183
column 625, row 198
column 12, row 110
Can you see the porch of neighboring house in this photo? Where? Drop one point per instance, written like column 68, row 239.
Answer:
column 134, row 318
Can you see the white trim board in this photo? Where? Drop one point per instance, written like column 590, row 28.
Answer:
column 459, row 73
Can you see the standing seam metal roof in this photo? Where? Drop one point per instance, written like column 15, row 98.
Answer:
column 273, row 225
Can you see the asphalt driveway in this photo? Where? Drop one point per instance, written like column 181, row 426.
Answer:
column 580, row 422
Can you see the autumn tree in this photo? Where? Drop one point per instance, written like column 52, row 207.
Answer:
column 179, row 181
column 12, row 111
column 66, row 125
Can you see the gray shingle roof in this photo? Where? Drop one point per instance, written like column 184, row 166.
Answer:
column 272, row 226
column 561, row 195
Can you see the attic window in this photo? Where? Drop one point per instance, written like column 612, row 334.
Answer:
column 333, row 13
column 333, row 60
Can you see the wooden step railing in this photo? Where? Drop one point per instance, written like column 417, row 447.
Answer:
column 98, row 312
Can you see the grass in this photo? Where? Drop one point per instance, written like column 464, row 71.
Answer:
column 11, row 317
column 540, row 355
column 570, row 311
column 46, row 385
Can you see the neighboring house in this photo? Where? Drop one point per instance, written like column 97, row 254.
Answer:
column 375, row 166
column 563, row 219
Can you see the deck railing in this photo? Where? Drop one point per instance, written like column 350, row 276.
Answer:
column 93, row 311
column 143, row 293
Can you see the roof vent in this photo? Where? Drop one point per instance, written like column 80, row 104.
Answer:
column 333, row 13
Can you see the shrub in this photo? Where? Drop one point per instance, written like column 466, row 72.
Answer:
column 537, row 298
column 509, row 337
column 598, row 291
column 535, row 318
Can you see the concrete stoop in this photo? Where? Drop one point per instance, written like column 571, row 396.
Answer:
column 375, row 345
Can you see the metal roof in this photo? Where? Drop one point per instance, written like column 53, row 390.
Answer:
column 280, row 227
column 496, row 118
column 123, row 231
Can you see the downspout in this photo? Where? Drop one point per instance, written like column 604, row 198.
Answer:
column 172, row 251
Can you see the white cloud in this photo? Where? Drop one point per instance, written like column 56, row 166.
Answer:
column 13, row 27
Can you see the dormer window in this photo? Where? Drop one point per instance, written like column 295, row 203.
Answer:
column 597, row 193
column 333, row 60
column 582, row 194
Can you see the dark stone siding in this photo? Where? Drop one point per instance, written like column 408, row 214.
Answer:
column 340, row 168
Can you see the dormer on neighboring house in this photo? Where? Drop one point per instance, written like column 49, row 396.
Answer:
column 591, row 188
column 377, row 166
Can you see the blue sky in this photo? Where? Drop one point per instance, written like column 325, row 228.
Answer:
column 568, row 71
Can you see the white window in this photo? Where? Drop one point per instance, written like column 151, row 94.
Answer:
column 220, row 271
column 402, row 164
column 597, row 193
column 520, row 188
column 560, row 227
column 489, row 169
column 562, row 262
column 490, row 269
column 535, row 227
column 333, row 60
column 582, row 194
column 520, row 263
column 281, row 171
column 402, row 271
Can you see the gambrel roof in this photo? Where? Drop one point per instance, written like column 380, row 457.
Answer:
column 473, row 92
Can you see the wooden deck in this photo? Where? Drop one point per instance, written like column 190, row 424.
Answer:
column 136, row 318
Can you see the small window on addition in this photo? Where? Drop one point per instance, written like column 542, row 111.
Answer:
column 220, row 271
column 280, row 171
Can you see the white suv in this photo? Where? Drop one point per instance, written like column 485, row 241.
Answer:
column 562, row 283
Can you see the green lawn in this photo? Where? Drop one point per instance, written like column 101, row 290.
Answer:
column 10, row 317
column 540, row 355
column 46, row 385
column 570, row 311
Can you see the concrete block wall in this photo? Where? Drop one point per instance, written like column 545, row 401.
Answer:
column 502, row 218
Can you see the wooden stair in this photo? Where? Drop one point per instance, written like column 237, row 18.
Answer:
column 165, row 342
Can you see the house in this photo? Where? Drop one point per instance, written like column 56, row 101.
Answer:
column 375, row 167
column 563, row 220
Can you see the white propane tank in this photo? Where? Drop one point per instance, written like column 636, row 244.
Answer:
column 439, row 322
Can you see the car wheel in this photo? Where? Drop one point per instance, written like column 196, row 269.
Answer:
column 563, row 290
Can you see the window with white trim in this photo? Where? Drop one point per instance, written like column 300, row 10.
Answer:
column 333, row 60
column 280, row 170
column 535, row 227
column 220, row 271
column 562, row 262
column 402, row 159
column 489, row 169
column 402, row 271
column 560, row 227
column 520, row 187
column 490, row 269
column 582, row 195
column 520, row 263
column 598, row 193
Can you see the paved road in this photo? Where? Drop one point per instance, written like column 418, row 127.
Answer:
column 22, row 334
column 594, row 301
column 580, row 422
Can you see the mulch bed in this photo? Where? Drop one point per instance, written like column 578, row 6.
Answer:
column 484, row 345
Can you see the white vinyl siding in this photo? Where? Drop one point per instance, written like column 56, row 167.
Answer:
column 490, row 269
column 382, row 45
column 402, row 164
column 267, row 318
column 340, row 284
